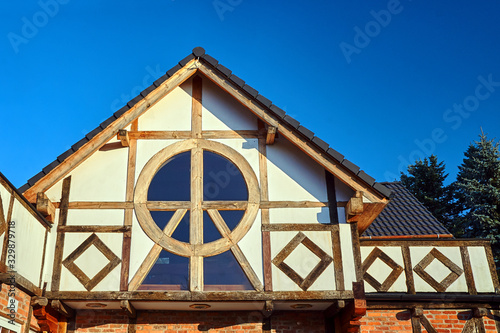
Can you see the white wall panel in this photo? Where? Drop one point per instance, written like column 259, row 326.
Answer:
column 299, row 215
column 347, row 255
column 480, row 269
column 251, row 246
column 95, row 217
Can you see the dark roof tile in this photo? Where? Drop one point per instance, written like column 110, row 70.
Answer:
column 198, row 51
column 251, row 91
column 24, row 187
column 322, row 144
column 174, row 69
column 124, row 109
column 224, row 70
column 335, row 154
column 351, row 166
column 398, row 218
column 212, row 61
column 294, row 123
column 50, row 167
column 108, row 122
column 366, row 178
column 79, row 144
column 280, row 113
column 65, row 155
column 36, row 178
column 184, row 61
column 148, row 90
column 134, row 101
column 267, row 103
column 160, row 80
column 93, row 133
column 308, row 134
column 237, row 80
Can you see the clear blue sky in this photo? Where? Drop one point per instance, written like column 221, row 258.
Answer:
column 369, row 77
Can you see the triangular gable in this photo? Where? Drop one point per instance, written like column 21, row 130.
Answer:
column 271, row 115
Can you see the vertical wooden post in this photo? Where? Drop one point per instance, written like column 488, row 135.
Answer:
column 334, row 219
column 264, row 196
column 196, row 126
column 196, row 218
column 410, row 284
column 356, row 250
column 63, row 216
column 129, row 212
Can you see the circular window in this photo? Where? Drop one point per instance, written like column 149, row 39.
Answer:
column 196, row 198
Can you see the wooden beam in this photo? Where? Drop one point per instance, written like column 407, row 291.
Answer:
column 39, row 301
column 124, row 138
column 196, row 219
column 268, row 309
column 128, row 308
column 45, row 207
column 297, row 227
column 20, row 282
column 169, row 135
column 62, row 308
column 354, row 207
column 94, row 228
column 103, row 137
column 196, row 127
column 271, row 135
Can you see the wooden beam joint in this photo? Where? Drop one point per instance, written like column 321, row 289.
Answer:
column 128, row 308
column 62, row 308
column 271, row 134
column 45, row 207
column 124, row 137
column 354, row 207
column 268, row 309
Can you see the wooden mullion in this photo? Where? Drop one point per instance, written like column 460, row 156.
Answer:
column 63, row 216
column 7, row 231
column 196, row 219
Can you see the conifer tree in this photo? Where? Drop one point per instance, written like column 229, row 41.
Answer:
column 425, row 180
column 478, row 190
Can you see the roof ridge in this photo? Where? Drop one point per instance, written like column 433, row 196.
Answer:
column 199, row 53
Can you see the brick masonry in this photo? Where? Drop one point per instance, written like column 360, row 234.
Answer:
column 22, row 308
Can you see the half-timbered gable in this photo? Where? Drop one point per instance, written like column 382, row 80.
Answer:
column 201, row 195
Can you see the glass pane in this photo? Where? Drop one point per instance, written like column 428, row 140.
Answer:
column 222, row 272
column 221, row 179
column 232, row 217
column 161, row 218
column 210, row 232
column 172, row 181
column 181, row 233
column 170, row 272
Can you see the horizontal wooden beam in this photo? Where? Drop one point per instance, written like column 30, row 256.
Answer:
column 426, row 242
column 292, row 204
column 94, row 228
column 215, row 296
column 297, row 227
column 20, row 282
column 168, row 135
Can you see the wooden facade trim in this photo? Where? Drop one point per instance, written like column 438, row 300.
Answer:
column 298, row 227
column 62, row 308
column 469, row 277
column 6, row 238
column 215, row 296
column 95, row 228
column 45, row 207
column 426, row 242
column 124, row 137
column 63, row 216
column 213, row 134
column 106, row 134
column 271, row 135
column 20, row 282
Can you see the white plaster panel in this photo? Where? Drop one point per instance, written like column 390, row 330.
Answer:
column 95, row 217
column 5, row 195
column 248, row 148
column 347, row 255
column 480, row 269
column 281, row 282
column 29, row 240
column 102, row 177
column 251, row 246
column 172, row 112
column 437, row 270
column 299, row 215
column 221, row 111
column 89, row 263
column 54, row 192
column 380, row 270
column 292, row 175
column 139, row 248
column 342, row 191
column 146, row 149
column 50, row 250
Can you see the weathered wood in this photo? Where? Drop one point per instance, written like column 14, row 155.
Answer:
column 245, row 295
column 491, row 264
column 103, row 137
column 247, row 268
column 268, row 309
column 292, row 204
column 170, row 135
column 370, row 213
column 145, row 267
column 436, row 304
column 63, row 216
column 356, row 251
column 266, row 253
column 167, row 205
column 354, row 207
column 45, row 207
column 128, row 308
column 444, row 242
column 224, row 205
column 410, row 284
column 337, row 258
column 98, row 205
column 39, row 301
column 469, row 277
column 94, row 228
column 196, row 126
column 46, row 319
column 124, row 137
column 42, row 266
column 6, row 238
column 27, row 325
column 441, row 287
column 111, row 146
column 271, row 135
column 391, row 278
column 62, row 308
column 427, row 325
column 332, row 197
column 297, row 227
column 20, row 282
column 196, row 214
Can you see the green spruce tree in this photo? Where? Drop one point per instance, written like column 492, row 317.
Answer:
column 425, row 180
column 478, row 190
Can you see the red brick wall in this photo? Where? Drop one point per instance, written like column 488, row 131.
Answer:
column 199, row 321
column 444, row 321
column 23, row 306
